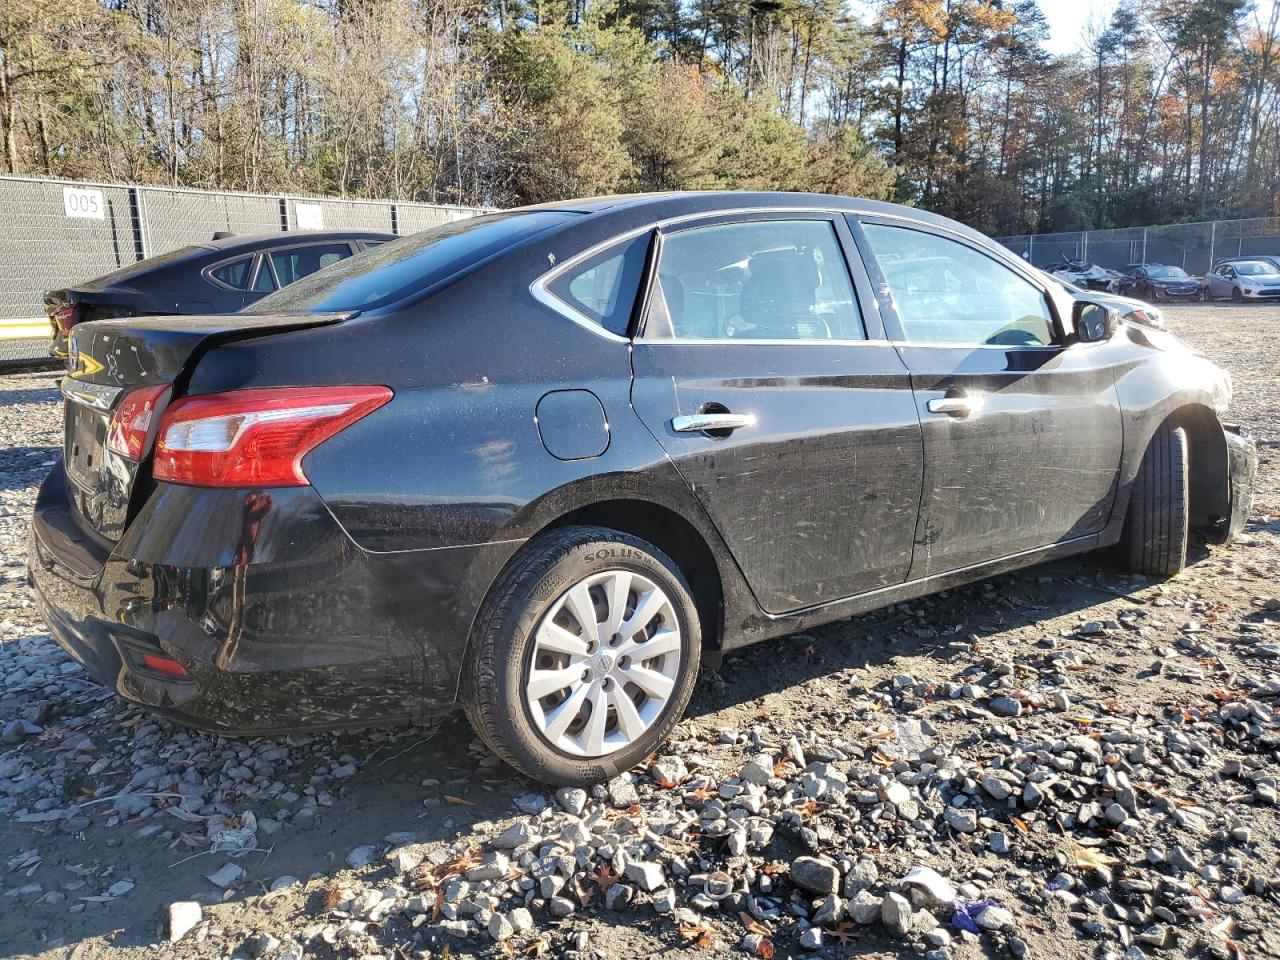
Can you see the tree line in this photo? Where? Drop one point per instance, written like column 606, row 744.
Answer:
column 1170, row 110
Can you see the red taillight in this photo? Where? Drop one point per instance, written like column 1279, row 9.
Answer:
column 63, row 317
column 255, row 438
column 165, row 665
column 127, row 434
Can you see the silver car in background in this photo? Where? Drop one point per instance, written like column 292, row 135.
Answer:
column 1243, row 279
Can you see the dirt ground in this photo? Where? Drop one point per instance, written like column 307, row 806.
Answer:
column 95, row 883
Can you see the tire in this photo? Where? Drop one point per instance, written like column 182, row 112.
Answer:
column 1237, row 296
column 500, row 661
column 1155, row 535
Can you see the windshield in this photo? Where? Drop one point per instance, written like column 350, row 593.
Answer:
column 1166, row 272
column 1254, row 268
column 400, row 268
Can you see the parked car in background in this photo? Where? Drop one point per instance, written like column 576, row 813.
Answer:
column 1243, row 279
column 220, row 276
column 1156, row 281
column 1083, row 274
column 1129, row 308
column 544, row 463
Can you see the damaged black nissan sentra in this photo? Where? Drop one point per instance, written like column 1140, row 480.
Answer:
column 545, row 462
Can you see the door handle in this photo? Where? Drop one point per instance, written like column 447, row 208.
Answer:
column 702, row 422
column 956, row 406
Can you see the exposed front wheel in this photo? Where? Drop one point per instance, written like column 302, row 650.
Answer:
column 584, row 656
column 1155, row 535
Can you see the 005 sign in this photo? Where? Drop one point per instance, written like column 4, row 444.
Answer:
column 77, row 202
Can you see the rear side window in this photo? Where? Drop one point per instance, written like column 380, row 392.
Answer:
column 294, row 263
column 603, row 288
column 401, row 268
column 264, row 282
column 947, row 292
column 754, row 280
column 233, row 274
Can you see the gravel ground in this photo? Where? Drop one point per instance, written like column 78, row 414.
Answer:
column 1068, row 762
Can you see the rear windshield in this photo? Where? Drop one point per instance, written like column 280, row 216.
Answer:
column 141, row 266
column 403, row 267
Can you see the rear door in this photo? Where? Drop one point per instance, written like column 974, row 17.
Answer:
column 1022, row 433
column 778, row 399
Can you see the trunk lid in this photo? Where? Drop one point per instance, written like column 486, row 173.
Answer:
column 110, row 358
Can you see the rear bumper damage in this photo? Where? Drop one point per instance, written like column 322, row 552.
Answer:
column 279, row 620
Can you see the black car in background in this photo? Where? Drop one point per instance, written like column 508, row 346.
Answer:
column 544, row 463
column 220, row 276
column 1156, row 281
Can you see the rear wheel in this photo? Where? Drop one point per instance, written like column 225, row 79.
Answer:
column 1155, row 529
column 584, row 656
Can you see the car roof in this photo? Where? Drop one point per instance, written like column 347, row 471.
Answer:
column 658, row 206
column 257, row 241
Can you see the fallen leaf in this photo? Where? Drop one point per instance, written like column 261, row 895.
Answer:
column 752, row 924
column 457, row 801
column 703, row 936
column 846, row 932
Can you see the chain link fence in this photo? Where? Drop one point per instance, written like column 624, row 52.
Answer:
column 1193, row 246
column 57, row 233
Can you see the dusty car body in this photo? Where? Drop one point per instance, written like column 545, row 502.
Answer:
column 550, row 460
column 220, row 276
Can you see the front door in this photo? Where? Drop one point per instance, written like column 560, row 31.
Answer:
column 792, row 422
column 1022, row 433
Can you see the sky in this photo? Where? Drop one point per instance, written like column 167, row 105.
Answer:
column 1069, row 18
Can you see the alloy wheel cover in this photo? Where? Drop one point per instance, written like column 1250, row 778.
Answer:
column 604, row 662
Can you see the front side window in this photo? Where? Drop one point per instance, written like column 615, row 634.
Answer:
column 233, row 274
column 947, row 292
column 294, row 263
column 603, row 288
column 755, row 280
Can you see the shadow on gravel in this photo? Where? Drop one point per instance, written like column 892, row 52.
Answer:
column 432, row 785
column 37, row 392
column 20, row 467
column 923, row 627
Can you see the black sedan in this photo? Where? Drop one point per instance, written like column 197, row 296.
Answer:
column 1157, row 281
column 220, row 276
column 545, row 462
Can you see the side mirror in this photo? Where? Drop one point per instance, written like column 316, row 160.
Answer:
column 1093, row 321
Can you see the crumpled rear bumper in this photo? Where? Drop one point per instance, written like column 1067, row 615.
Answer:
column 294, row 628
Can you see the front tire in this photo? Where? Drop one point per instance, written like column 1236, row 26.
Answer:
column 1237, row 296
column 1155, row 535
column 584, row 656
